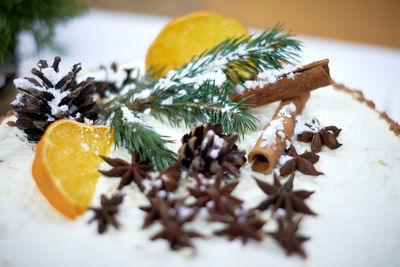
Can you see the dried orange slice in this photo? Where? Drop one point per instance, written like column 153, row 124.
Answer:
column 66, row 164
column 187, row 36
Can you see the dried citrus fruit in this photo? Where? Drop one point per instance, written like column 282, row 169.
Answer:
column 187, row 36
column 66, row 164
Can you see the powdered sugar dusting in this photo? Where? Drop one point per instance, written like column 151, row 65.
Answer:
column 287, row 110
column 271, row 76
column 55, row 102
column 129, row 116
column 53, row 76
column 24, row 84
column 85, row 147
column 274, row 129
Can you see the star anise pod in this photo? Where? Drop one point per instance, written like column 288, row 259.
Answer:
column 303, row 162
column 283, row 196
column 153, row 211
column 135, row 171
column 168, row 179
column 288, row 238
column 210, row 193
column 173, row 220
column 319, row 136
column 240, row 223
column 105, row 214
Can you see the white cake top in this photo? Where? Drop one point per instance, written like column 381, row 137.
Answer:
column 357, row 201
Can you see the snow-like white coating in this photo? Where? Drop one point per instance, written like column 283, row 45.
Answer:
column 347, row 211
column 270, row 76
column 129, row 116
column 274, row 129
column 210, row 67
column 53, row 76
column 287, row 110
column 55, row 102
column 24, row 84
column 143, row 94
column 58, row 94
column 214, row 153
column 167, row 101
column 85, row 146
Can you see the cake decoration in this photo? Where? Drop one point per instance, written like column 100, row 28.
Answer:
column 66, row 162
column 319, row 136
column 173, row 222
column 216, row 90
column 288, row 238
column 135, row 171
column 239, row 223
column 54, row 96
column 303, row 162
column 153, row 209
column 198, row 92
column 273, row 84
column 212, row 195
column 105, row 214
column 167, row 180
column 283, row 197
column 206, row 150
column 278, row 131
column 114, row 78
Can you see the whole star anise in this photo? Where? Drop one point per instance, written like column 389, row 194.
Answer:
column 240, row 223
column 303, row 163
column 319, row 136
column 105, row 214
column 210, row 192
column 135, row 171
column 283, row 196
column 153, row 211
column 167, row 180
column 288, row 238
column 172, row 220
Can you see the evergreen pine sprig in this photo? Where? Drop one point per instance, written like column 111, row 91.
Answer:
column 137, row 135
column 36, row 16
column 199, row 91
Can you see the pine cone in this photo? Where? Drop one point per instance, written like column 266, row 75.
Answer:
column 206, row 150
column 113, row 81
column 55, row 96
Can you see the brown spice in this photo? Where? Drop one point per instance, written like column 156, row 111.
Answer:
column 135, row 171
column 283, row 196
column 306, row 79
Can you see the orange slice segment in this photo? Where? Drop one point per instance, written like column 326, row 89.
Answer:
column 187, row 36
column 66, row 164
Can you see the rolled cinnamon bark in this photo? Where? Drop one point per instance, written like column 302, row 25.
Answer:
column 288, row 85
column 272, row 141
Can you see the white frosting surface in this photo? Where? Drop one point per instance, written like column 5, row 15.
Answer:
column 357, row 201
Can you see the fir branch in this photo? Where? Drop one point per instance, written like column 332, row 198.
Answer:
column 198, row 91
column 140, row 137
column 207, row 104
column 36, row 16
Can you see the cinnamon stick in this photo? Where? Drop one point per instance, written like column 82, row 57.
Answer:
column 295, row 83
column 272, row 141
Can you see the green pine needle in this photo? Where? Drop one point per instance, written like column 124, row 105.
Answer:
column 198, row 92
column 140, row 137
